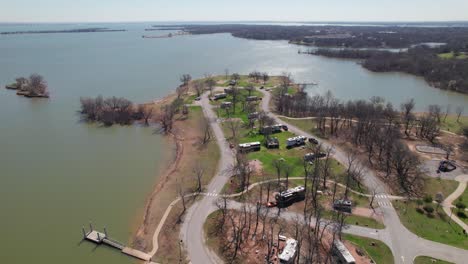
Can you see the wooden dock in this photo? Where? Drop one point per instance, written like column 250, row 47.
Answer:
column 100, row 238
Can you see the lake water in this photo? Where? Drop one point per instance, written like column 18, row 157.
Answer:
column 57, row 174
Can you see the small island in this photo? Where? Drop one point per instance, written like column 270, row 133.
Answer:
column 33, row 87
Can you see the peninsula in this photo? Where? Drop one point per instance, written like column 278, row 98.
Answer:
column 428, row 52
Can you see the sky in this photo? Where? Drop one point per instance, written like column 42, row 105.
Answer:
column 232, row 10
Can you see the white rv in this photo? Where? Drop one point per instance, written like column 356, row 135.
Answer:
column 247, row 147
column 289, row 252
column 295, row 141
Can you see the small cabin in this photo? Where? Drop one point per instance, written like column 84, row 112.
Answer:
column 272, row 142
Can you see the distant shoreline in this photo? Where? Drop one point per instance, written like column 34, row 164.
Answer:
column 84, row 30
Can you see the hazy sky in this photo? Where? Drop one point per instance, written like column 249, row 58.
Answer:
column 235, row 10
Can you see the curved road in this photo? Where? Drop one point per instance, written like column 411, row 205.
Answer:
column 405, row 245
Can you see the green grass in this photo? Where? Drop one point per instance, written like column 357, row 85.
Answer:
column 451, row 55
column 434, row 185
column 239, row 113
column 307, row 125
column 380, row 253
column 437, row 228
column 356, row 220
column 429, row 260
column 451, row 124
column 464, row 199
column 245, row 81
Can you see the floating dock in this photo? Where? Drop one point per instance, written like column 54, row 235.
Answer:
column 100, row 238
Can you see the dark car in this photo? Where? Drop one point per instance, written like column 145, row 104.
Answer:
column 313, row 141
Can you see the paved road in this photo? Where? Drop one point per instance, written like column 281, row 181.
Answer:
column 192, row 228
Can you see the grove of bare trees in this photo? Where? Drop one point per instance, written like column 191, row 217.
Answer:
column 34, row 86
column 373, row 126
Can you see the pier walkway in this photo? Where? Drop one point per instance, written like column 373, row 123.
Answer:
column 99, row 238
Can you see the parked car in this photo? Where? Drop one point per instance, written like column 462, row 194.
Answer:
column 197, row 98
column 313, row 141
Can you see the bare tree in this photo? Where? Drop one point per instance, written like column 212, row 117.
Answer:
column 235, row 76
column 373, row 194
column 185, row 79
column 37, row 85
column 199, row 87
column 408, row 116
column 206, row 131
column 406, row 166
column 21, row 83
column 448, row 110
column 166, row 118
column 182, row 197
column 145, row 112
column 436, row 112
column 278, row 165
column 210, row 83
column 198, row 171
column 265, row 77
column 459, row 111
column 234, row 125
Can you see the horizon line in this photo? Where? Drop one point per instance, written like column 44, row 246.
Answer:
column 240, row 21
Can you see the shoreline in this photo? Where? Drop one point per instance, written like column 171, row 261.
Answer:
column 142, row 235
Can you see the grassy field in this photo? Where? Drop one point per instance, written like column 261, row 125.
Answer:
column 429, row 260
column 451, row 55
column 245, row 80
column 293, row 157
column 436, row 227
column 433, row 186
column 451, row 124
column 240, row 106
column 380, row 253
column 308, row 125
column 463, row 199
